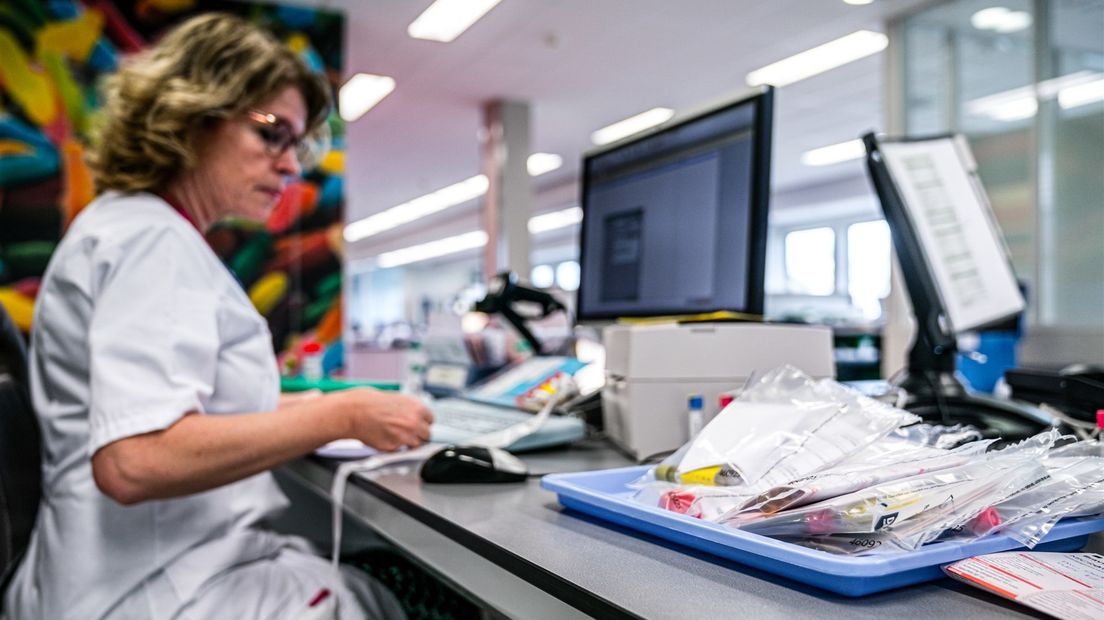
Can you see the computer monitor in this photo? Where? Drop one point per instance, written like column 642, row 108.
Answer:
column 956, row 270
column 675, row 220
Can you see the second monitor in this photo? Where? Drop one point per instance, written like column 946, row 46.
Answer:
column 675, row 220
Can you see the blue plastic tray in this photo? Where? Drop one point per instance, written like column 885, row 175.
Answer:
column 606, row 495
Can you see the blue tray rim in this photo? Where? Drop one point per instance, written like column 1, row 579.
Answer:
column 574, row 487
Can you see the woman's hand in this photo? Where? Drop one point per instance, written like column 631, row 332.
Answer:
column 386, row 420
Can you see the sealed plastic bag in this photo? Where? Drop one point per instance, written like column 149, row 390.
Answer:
column 915, row 509
column 709, row 503
column 1018, row 469
column 661, row 486
column 878, row 543
column 1080, row 448
column 1075, row 488
column 937, row 435
column 975, row 503
column 783, row 427
column 883, row 461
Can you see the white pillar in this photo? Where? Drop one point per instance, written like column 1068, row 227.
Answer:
column 508, row 202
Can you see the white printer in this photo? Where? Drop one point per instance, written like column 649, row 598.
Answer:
column 651, row 369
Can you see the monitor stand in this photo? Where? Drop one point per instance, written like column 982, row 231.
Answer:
column 935, row 394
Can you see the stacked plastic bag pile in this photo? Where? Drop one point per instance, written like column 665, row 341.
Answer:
column 818, row 464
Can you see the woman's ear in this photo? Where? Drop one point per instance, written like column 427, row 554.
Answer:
column 202, row 135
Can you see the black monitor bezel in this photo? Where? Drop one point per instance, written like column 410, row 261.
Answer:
column 932, row 352
column 923, row 290
column 762, row 124
column 928, row 308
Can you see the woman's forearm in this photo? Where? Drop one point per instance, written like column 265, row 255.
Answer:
column 201, row 452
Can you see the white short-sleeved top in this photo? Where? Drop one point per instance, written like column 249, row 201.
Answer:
column 138, row 323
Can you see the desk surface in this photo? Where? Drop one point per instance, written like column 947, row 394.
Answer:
column 517, row 550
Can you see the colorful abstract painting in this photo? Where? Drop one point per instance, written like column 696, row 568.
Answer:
column 53, row 55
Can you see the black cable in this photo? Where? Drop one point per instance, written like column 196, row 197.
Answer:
column 940, row 402
column 657, row 457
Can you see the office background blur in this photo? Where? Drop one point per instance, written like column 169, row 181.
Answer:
column 1023, row 80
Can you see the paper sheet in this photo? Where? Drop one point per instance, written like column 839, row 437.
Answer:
column 959, row 234
column 1065, row 585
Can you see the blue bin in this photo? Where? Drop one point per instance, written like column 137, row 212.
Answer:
column 999, row 350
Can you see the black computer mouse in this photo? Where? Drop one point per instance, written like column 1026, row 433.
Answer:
column 473, row 464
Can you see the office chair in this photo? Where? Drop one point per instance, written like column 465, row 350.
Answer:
column 20, row 452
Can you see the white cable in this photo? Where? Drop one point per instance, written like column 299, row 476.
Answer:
column 497, row 439
column 341, row 478
column 1084, row 430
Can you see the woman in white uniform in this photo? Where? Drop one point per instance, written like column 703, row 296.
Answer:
column 152, row 374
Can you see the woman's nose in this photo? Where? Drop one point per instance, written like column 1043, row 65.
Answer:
column 288, row 164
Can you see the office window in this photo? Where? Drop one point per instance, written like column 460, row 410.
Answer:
column 1030, row 99
column 567, row 275
column 810, row 257
column 377, row 299
column 868, row 252
column 542, row 276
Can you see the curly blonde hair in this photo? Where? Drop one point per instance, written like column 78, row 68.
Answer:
column 213, row 66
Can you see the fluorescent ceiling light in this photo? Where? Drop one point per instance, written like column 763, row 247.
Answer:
column 631, row 125
column 419, row 207
column 1022, row 103
column 540, row 163
column 433, row 249
column 444, row 198
column 555, row 220
column 819, row 59
column 445, row 20
column 474, row 239
column 857, row 2
column 1014, row 110
column 1081, row 94
column 1048, row 89
column 1000, row 19
column 361, row 93
column 834, row 153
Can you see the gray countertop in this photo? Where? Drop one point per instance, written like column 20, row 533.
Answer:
column 606, row 570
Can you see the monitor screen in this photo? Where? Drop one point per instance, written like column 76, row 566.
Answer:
column 674, row 221
column 940, row 216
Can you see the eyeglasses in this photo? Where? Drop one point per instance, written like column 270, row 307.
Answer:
column 278, row 137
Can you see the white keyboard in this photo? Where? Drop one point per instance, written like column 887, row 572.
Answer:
column 457, row 420
column 473, row 418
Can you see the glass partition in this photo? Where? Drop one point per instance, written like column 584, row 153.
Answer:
column 1024, row 81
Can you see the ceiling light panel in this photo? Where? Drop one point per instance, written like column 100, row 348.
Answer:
column 555, row 220
column 433, row 249
column 541, row 163
column 837, row 53
column 1021, row 103
column 361, row 93
column 420, row 207
column 434, row 202
column 631, row 125
column 1081, row 94
column 1000, row 19
column 445, row 20
column 834, row 153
